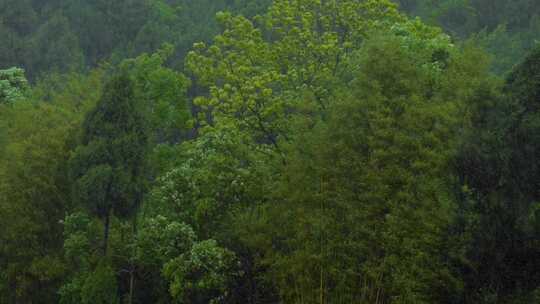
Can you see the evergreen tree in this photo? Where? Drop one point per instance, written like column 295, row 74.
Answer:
column 108, row 168
column 498, row 164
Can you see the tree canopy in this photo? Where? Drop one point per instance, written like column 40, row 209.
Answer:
column 285, row 151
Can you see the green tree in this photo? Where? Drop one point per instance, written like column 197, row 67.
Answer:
column 19, row 16
column 13, row 85
column 11, row 49
column 361, row 210
column 273, row 92
column 108, row 168
column 498, row 167
column 157, row 98
column 507, row 29
column 162, row 92
column 200, row 275
column 210, row 179
column 255, row 83
column 32, row 200
column 100, row 287
column 34, row 188
column 195, row 271
column 55, row 47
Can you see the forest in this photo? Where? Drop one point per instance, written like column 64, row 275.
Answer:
column 269, row 151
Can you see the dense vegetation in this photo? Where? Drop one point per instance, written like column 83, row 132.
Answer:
column 72, row 35
column 253, row 151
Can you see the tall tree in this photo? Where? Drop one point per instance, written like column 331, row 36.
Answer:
column 279, row 79
column 498, row 164
column 34, row 186
column 108, row 168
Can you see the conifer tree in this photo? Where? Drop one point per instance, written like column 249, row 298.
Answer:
column 108, row 168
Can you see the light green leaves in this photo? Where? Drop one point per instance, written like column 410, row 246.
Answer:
column 161, row 240
column 77, row 240
column 200, row 273
column 263, row 75
column 162, row 92
column 100, row 286
column 13, row 85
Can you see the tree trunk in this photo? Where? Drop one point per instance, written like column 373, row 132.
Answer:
column 106, row 233
column 132, row 270
column 131, row 285
column 321, row 287
column 13, row 292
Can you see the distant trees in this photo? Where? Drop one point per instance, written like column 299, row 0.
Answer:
column 97, row 31
column 71, row 35
column 54, row 47
column 507, row 29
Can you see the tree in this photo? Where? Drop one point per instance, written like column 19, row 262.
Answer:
column 33, row 200
column 153, row 111
column 162, row 92
column 498, row 166
column 282, row 85
column 108, row 167
column 55, row 47
column 19, row 16
column 201, row 274
column 11, row 49
column 195, row 271
column 365, row 199
column 34, row 186
column 207, row 181
column 100, row 286
column 13, row 85
column 255, row 82
column 507, row 29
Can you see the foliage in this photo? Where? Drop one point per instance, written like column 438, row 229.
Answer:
column 161, row 240
column 211, row 180
column 108, row 168
column 34, row 191
column 363, row 179
column 13, row 85
column 498, row 165
column 299, row 61
column 312, row 151
column 162, row 92
column 507, row 29
column 201, row 274
column 71, row 35
column 100, row 286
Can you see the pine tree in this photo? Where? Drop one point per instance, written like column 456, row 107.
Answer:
column 108, row 168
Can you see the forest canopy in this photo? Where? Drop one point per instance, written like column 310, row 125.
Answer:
column 258, row 151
